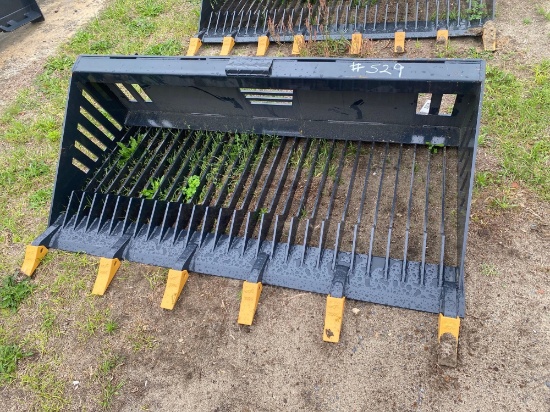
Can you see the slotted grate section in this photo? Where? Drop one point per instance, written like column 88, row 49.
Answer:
column 281, row 19
column 386, row 211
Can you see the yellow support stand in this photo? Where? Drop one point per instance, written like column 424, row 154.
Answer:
column 333, row 319
column 447, row 338
column 356, row 43
column 105, row 274
column 263, row 45
column 194, row 45
column 399, row 42
column 442, row 37
column 249, row 302
column 298, row 45
column 33, row 256
column 174, row 285
column 227, row 45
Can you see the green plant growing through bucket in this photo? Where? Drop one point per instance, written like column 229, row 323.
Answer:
column 192, row 186
column 150, row 192
column 126, row 151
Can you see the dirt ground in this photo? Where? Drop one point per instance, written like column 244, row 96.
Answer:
column 23, row 52
column 200, row 359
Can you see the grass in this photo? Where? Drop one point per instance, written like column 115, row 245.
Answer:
column 13, row 292
column 516, row 112
column 9, row 355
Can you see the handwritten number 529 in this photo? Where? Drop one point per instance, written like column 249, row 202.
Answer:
column 375, row 68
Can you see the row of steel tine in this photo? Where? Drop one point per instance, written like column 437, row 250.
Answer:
column 253, row 18
column 102, row 202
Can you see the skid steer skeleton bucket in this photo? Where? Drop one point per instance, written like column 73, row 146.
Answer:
column 240, row 21
column 17, row 13
column 350, row 178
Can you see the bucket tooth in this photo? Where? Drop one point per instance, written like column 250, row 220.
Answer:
column 263, row 45
column 194, row 45
column 249, row 302
column 399, row 42
column 333, row 319
column 489, row 36
column 174, row 285
column 356, row 43
column 105, row 274
column 447, row 337
column 298, row 45
column 442, row 37
column 227, row 45
column 33, row 256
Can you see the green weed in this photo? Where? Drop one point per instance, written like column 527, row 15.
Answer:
column 489, row 270
column 9, row 356
column 149, row 192
column 542, row 12
column 40, row 198
column 109, row 392
column 111, row 326
column 191, row 188
column 12, row 292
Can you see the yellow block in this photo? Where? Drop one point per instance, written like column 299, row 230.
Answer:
column 298, row 45
column 194, row 45
column 263, row 44
column 356, row 43
column 106, row 272
column 333, row 319
column 442, row 36
column 227, row 45
column 399, row 43
column 448, row 325
column 33, row 256
column 174, row 285
column 249, row 302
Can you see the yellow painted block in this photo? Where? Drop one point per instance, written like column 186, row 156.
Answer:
column 442, row 36
column 227, row 45
column 356, row 43
column 194, row 45
column 333, row 319
column 249, row 302
column 33, row 256
column 298, row 45
column 263, row 44
column 174, row 285
column 399, row 42
column 105, row 274
column 448, row 325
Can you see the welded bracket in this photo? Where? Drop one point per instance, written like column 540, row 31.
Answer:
column 263, row 45
column 105, row 274
column 356, row 43
column 334, row 312
column 252, row 288
column 33, row 256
